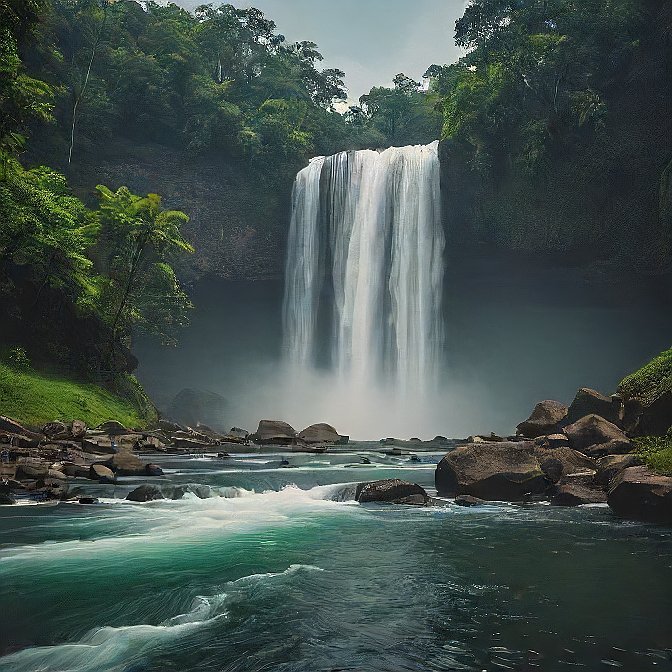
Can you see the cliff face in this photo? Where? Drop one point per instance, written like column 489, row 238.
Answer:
column 238, row 221
column 601, row 196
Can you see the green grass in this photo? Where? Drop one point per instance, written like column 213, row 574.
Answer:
column 656, row 452
column 35, row 398
column 652, row 380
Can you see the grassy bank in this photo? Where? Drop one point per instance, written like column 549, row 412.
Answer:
column 35, row 398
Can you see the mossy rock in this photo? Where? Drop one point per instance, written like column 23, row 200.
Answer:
column 651, row 381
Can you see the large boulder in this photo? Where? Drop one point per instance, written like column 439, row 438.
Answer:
column 392, row 491
column 124, row 463
column 638, row 493
column 320, row 433
column 99, row 472
column 199, row 407
column 591, row 431
column 505, row 471
column 144, row 493
column 545, row 419
column 590, row 402
column 274, row 432
column 577, row 489
column 609, row 466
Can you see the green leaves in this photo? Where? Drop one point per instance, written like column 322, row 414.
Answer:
column 139, row 239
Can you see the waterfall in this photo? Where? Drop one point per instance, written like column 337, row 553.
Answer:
column 365, row 267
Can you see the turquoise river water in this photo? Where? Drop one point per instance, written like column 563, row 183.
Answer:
column 260, row 566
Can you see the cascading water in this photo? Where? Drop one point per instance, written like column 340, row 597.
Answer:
column 365, row 268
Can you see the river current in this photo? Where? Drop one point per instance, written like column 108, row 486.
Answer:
column 260, row 566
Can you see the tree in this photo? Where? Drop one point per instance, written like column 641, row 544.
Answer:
column 139, row 239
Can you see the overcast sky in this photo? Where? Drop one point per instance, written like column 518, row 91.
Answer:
column 372, row 40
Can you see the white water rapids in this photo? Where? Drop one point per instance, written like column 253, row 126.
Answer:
column 364, row 270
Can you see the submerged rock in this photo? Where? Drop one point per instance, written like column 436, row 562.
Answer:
column 392, row 491
column 592, row 431
column 145, row 493
column 590, row 402
column 469, row 500
column 638, row 493
column 545, row 419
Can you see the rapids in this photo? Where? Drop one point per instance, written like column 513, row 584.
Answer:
column 257, row 566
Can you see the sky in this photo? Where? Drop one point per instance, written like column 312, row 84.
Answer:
column 372, row 40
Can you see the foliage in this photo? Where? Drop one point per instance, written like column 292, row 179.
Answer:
column 656, row 452
column 139, row 238
column 651, row 381
column 35, row 398
column 401, row 115
column 198, row 81
column 17, row 357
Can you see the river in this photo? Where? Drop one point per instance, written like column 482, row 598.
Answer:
column 264, row 566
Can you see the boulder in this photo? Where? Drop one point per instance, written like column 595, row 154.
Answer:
column 469, row 500
column 637, row 493
column 320, row 433
column 593, row 430
column 613, row 447
column 111, row 428
column 562, row 461
column 238, row 433
column 56, row 474
column 99, row 472
column 98, row 445
column 124, row 463
column 656, row 418
column 153, row 470
column 610, row 466
column 32, row 469
column 578, row 489
column 545, row 419
column 77, row 429
column 76, row 470
column 56, row 430
column 274, row 432
column 7, row 425
column 19, row 440
column 505, row 471
column 195, row 407
column 392, row 491
column 552, row 441
column 144, row 493
column 590, row 402
column 6, row 499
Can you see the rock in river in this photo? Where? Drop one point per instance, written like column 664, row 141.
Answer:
column 505, row 471
column 392, row 491
column 144, row 493
column 640, row 494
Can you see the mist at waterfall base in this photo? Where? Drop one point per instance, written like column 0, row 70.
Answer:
column 341, row 341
